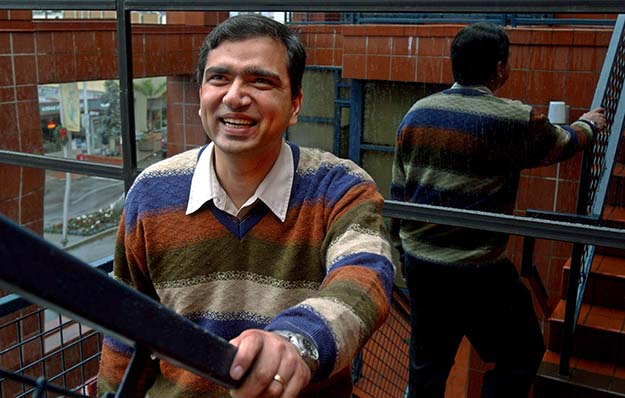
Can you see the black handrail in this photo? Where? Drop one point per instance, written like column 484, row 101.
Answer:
column 46, row 275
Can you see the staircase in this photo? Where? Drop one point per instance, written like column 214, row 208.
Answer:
column 597, row 365
column 596, row 368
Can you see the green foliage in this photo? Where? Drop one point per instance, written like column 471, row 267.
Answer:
column 89, row 224
column 150, row 87
column 111, row 117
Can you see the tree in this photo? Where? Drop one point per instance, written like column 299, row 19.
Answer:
column 111, row 117
column 151, row 87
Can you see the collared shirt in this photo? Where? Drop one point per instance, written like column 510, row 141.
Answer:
column 479, row 87
column 274, row 190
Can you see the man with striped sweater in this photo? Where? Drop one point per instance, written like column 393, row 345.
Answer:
column 465, row 148
column 282, row 250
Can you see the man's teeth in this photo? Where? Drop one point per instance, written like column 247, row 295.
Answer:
column 238, row 122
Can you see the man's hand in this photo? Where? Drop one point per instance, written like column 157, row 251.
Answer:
column 596, row 116
column 275, row 368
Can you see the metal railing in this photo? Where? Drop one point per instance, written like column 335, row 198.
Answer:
column 63, row 357
column 58, row 350
column 46, row 352
column 48, row 276
column 596, row 172
column 411, row 18
column 596, row 175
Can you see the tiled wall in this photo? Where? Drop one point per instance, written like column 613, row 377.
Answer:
column 39, row 52
column 184, row 127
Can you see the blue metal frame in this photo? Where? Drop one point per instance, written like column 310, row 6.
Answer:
column 339, row 105
column 356, row 120
column 502, row 19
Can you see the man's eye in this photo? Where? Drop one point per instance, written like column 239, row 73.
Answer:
column 263, row 82
column 216, row 79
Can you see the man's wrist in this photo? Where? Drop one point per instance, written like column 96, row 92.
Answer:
column 593, row 125
column 306, row 348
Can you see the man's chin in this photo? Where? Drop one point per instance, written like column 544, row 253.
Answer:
column 236, row 146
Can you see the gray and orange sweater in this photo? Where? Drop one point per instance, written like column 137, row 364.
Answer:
column 465, row 148
column 325, row 272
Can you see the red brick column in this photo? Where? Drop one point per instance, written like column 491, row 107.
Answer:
column 22, row 189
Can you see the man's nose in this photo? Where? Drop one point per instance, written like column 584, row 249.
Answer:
column 237, row 95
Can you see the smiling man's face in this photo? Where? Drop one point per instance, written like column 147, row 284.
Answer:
column 245, row 97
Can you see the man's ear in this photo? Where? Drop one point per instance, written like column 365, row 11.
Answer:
column 199, row 95
column 296, row 105
column 500, row 70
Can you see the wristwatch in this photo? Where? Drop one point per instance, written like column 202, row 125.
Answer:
column 593, row 125
column 304, row 346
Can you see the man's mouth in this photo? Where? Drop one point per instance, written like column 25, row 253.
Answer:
column 238, row 123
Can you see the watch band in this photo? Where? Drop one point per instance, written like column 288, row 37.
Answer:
column 306, row 348
column 593, row 126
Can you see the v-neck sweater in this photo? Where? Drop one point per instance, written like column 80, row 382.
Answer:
column 325, row 272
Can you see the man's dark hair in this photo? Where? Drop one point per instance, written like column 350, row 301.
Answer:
column 475, row 52
column 245, row 26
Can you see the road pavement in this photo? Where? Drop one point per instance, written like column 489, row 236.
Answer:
column 87, row 194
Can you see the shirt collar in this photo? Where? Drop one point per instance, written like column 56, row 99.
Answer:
column 478, row 87
column 274, row 190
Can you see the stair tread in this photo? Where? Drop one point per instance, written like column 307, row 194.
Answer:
column 619, row 170
column 598, row 367
column 614, row 213
column 605, row 265
column 591, row 374
column 594, row 316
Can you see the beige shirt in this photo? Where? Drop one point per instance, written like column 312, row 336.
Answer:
column 274, row 191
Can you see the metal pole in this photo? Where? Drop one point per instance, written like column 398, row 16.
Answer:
column 68, row 176
column 86, row 119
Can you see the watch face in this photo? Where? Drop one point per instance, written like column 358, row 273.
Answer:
column 311, row 350
column 306, row 348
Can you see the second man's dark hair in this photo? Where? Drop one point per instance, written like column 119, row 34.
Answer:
column 246, row 26
column 475, row 52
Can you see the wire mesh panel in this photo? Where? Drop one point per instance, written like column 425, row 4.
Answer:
column 606, row 147
column 610, row 102
column 39, row 344
column 594, row 191
column 381, row 369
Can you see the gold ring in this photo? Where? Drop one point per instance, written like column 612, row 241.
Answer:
column 279, row 379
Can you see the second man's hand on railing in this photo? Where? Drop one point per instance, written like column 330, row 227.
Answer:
column 595, row 119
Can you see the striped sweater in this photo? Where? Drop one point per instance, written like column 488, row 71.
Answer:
column 326, row 272
column 465, row 148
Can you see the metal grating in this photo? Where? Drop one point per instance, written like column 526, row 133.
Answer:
column 610, row 103
column 58, row 357
column 48, row 348
column 605, row 150
column 381, row 369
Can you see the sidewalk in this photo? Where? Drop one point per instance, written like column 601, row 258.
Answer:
column 86, row 248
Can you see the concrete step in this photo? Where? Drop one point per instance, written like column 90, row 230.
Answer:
column 606, row 282
column 599, row 335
